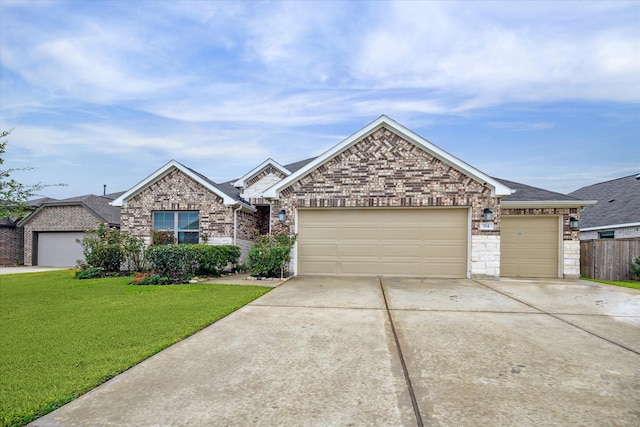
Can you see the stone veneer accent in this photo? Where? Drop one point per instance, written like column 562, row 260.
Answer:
column 56, row 218
column 384, row 170
column 571, row 264
column 485, row 256
column 11, row 249
column 178, row 192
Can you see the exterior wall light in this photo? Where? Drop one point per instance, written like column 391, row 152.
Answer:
column 574, row 224
column 282, row 216
column 487, row 215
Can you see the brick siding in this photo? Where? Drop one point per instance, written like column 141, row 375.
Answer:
column 384, row 170
column 12, row 247
column 177, row 192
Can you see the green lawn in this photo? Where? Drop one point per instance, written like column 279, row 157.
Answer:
column 60, row 337
column 626, row 283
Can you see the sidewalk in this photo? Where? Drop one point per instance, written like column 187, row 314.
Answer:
column 35, row 269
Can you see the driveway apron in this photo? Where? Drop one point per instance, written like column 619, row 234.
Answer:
column 392, row 352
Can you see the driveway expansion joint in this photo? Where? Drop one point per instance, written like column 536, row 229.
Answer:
column 405, row 370
column 557, row 317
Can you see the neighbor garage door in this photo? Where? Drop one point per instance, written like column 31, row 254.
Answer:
column 59, row 249
column 389, row 242
column 529, row 246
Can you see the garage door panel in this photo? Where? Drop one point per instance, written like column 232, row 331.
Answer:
column 358, row 250
column 59, row 249
column 364, row 233
column 398, row 242
column 319, row 250
column 529, row 246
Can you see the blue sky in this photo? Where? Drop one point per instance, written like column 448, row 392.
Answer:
column 543, row 93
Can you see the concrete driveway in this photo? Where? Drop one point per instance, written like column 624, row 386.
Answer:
column 386, row 352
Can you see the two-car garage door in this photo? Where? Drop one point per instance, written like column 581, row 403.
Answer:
column 388, row 242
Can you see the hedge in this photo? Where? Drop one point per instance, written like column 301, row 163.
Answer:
column 181, row 260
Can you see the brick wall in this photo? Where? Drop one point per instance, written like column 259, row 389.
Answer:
column 385, row 170
column 56, row 218
column 177, row 192
column 11, row 246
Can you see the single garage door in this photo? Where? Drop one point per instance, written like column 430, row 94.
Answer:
column 385, row 242
column 529, row 246
column 59, row 249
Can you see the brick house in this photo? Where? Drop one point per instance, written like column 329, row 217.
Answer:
column 52, row 230
column 384, row 201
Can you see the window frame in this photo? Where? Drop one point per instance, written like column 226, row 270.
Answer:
column 179, row 233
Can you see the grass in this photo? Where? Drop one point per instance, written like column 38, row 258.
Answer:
column 624, row 283
column 61, row 337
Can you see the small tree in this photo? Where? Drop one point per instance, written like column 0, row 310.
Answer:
column 14, row 195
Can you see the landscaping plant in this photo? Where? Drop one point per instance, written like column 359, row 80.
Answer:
column 270, row 255
column 178, row 262
column 107, row 249
column 634, row 268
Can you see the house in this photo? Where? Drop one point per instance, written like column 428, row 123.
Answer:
column 51, row 231
column 12, row 237
column 617, row 213
column 384, row 201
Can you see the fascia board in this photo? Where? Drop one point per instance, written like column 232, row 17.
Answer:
column 608, row 227
column 161, row 172
column 546, row 203
column 241, row 181
column 497, row 188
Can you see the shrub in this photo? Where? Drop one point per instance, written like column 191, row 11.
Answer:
column 89, row 273
column 150, row 278
column 634, row 268
column 270, row 255
column 107, row 248
column 178, row 261
column 162, row 237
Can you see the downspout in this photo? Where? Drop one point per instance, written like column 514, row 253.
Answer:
column 235, row 224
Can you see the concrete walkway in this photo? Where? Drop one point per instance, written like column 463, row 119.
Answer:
column 335, row 352
column 23, row 269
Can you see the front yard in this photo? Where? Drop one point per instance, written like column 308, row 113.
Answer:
column 61, row 337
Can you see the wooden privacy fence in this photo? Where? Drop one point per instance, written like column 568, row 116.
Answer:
column 608, row 259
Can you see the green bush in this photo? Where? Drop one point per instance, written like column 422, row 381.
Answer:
column 108, row 249
column 89, row 273
column 270, row 255
column 181, row 260
column 634, row 268
column 162, row 237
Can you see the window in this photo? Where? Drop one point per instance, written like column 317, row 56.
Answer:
column 607, row 234
column 184, row 224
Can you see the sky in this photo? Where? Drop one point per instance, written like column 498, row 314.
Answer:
column 106, row 92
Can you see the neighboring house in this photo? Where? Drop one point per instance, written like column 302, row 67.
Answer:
column 617, row 213
column 12, row 237
column 384, row 201
column 52, row 230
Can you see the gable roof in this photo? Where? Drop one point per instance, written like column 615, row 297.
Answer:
column 497, row 188
column 97, row 205
column 269, row 162
column 528, row 196
column 618, row 203
column 230, row 196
